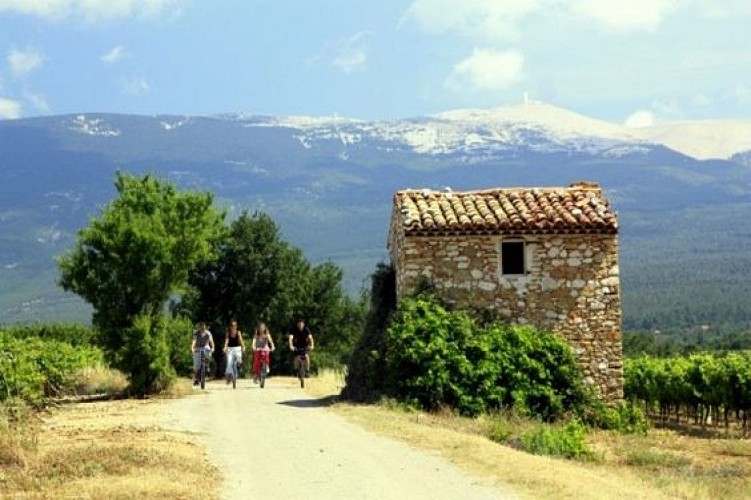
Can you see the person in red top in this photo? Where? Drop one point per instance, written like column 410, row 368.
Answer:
column 263, row 344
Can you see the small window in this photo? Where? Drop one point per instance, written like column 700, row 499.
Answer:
column 512, row 257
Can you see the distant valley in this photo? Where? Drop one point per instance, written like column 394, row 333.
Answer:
column 682, row 191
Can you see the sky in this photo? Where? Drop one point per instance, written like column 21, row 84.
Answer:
column 637, row 62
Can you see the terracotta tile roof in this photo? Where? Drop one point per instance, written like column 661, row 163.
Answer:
column 579, row 208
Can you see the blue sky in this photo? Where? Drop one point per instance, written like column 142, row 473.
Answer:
column 635, row 61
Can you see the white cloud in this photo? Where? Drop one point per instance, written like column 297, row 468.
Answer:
column 91, row 10
column 23, row 62
column 487, row 70
column 114, row 55
column 351, row 54
column 9, row 109
column 135, row 86
column 641, row 118
column 38, row 101
column 491, row 19
column 347, row 55
column 625, row 16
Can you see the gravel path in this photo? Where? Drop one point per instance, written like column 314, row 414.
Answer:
column 277, row 442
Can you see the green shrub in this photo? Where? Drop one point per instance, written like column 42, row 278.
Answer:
column 425, row 356
column 19, row 374
column 32, row 368
column 500, row 431
column 624, row 418
column 146, row 355
column 439, row 357
column 365, row 381
column 177, row 335
column 74, row 334
column 558, row 441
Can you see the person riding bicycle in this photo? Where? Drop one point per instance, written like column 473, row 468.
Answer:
column 233, row 349
column 263, row 344
column 202, row 340
column 300, row 342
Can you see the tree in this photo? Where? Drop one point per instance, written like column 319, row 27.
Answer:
column 131, row 259
column 260, row 277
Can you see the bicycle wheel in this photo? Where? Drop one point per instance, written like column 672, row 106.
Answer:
column 203, row 370
column 301, row 372
column 264, row 369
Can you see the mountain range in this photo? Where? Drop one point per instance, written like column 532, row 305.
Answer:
column 682, row 191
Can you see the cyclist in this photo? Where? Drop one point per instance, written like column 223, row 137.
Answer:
column 263, row 344
column 300, row 339
column 202, row 339
column 233, row 349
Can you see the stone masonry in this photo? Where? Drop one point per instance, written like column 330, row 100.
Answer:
column 570, row 284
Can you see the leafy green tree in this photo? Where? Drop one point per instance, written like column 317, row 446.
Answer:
column 260, row 277
column 131, row 259
column 365, row 381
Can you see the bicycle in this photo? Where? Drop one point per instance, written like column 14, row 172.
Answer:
column 263, row 358
column 260, row 365
column 205, row 359
column 299, row 365
column 234, row 360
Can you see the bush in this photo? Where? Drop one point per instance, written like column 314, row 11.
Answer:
column 32, row 368
column 425, row 356
column 177, row 334
column 624, row 418
column 365, row 381
column 437, row 357
column 74, row 334
column 533, row 372
column 146, row 355
column 556, row 441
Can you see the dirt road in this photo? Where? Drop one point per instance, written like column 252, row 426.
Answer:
column 278, row 443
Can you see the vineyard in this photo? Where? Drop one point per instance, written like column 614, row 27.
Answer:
column 702, row 389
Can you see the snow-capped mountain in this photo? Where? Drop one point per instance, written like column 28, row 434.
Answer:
column 329, row 181
column 533, row 125
column 703, row 140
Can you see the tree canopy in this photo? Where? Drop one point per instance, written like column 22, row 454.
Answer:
column 257, row 276
column 131, row 259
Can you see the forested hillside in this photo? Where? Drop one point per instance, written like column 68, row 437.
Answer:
column 684, row 230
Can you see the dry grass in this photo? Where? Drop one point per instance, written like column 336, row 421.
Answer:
column 110, row 449
column 99, row 380
column 663, row 464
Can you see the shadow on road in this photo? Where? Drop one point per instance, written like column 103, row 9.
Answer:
column 310, row 403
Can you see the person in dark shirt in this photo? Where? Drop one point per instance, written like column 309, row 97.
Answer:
column 300, row 339
column 202, row 339
column 233, row 349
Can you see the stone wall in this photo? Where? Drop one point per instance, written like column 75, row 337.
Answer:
column 571, row 287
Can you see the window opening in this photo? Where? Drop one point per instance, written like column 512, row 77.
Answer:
column 512, row 257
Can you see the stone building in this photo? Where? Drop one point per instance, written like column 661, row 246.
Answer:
column 541, row 256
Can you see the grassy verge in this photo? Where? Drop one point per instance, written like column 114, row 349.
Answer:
column 110, row 449
column 662, row 464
